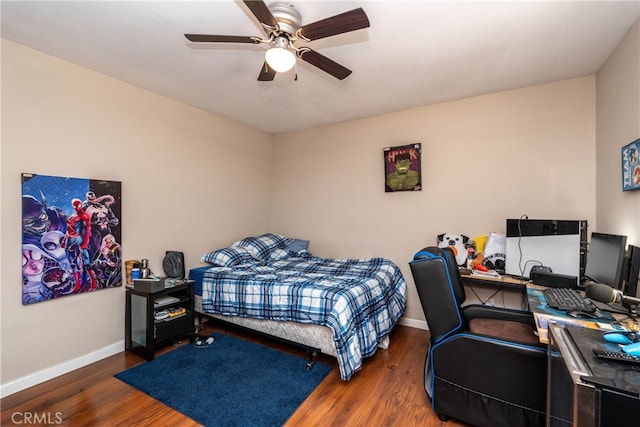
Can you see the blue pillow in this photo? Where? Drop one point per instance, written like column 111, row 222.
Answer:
column 227, row 257
column 297, row 245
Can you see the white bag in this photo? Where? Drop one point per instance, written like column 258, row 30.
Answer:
column 495, row 250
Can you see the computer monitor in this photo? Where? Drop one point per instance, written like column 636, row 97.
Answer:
column 631, row 275
column 605, row 259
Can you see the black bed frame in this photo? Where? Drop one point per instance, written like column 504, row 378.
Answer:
column 311, row 352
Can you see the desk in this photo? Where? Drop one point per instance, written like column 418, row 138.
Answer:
column 585, row 391
column 533, row 300
column 544, row 315
column 501, row 281
column 496, row 285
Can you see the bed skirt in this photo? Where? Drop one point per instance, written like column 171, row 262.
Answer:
column 309, row 335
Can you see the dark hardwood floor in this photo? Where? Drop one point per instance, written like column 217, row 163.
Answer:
column 388, row 391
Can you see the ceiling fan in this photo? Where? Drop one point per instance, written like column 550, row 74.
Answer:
column 282, row 24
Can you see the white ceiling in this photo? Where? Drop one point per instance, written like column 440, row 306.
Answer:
column 415, row 52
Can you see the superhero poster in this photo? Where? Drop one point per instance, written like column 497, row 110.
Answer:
column 71, row 235
column 402, row 169
column 631, row 166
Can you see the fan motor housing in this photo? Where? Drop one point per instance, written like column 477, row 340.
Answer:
column 288, row 18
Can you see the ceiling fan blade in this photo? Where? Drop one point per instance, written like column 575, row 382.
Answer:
column 208, row 38
column 266, row 73
column 325, row 64
column 353, row 20
column 262, row 12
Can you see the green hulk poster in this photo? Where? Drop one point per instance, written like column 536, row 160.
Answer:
column 402, row 168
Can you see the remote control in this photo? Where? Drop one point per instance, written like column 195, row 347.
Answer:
column 617, row 356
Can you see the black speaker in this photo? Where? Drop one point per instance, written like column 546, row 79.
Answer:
column 553, row 280
column 173, row 264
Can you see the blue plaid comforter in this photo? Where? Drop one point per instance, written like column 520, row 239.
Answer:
column 361, row 300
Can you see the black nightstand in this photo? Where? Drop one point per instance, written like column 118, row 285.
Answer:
column 144, row 333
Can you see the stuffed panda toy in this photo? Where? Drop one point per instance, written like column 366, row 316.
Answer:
column 457, row 243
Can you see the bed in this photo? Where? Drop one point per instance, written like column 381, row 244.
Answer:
column 343, row 307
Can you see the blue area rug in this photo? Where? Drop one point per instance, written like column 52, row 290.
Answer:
column 232, row 382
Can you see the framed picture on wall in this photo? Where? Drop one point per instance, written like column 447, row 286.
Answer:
column 71, row 236
column 402, row 168
column 631, row 166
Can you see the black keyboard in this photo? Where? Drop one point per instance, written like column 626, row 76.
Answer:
column 567, row 299
column 618, row 356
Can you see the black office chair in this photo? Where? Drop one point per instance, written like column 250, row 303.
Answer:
column 485, row 365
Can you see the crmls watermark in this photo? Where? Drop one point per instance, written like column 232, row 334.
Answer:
column 36, row 418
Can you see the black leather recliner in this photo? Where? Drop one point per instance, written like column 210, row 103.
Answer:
column 485, row 365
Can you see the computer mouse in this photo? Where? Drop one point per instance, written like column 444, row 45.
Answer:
column 632, row 349
column 581, row 314
column 620, row 337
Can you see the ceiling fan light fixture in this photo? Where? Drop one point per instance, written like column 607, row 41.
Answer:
column 280, row 57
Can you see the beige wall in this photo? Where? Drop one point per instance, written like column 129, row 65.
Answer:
column 527, row 151
column 618, row 123
column 182, row 189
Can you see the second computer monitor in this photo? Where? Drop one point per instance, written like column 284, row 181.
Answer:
column 605, row 259
column 631, row 275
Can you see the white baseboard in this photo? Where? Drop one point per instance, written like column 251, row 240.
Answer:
column 413, row 323
column 63, row 368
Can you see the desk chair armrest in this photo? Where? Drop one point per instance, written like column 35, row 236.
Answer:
column 500, row 369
